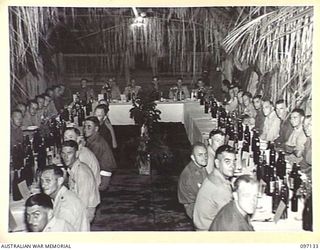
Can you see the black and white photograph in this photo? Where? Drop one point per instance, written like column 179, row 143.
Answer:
column 160, row 119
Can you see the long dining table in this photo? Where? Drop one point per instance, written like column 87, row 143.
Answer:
column 198, row 126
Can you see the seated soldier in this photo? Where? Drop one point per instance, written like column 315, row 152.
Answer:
column 31, row 118
column 259, row 120
column 98, row 145
column 271, row 125
column 22, row 107
column 85, row 155
column 81, row 179
column 105, row 128
column 232, row 103
column 50, row 108
column 66, row 204
column 179, row 92
column 248, row 108
column 86, row 93
column 41, row 112
column 235, row 216
column 40, row 216
column 16, row 134
column 294, row 146
column 111, row 88
column 216, row 191
column 131, row 89
column 285, row 126
column 216, row 139
column 306, row 162
column 57, row 98
column 240, row 102
column 192, row 176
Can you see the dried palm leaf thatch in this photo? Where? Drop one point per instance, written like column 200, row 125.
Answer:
column 28, row 26
column 278, row 41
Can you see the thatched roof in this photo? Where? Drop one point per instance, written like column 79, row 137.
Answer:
column 274, row 39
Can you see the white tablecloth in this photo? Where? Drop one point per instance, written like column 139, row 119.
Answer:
column 170, row 112
column 197, row 124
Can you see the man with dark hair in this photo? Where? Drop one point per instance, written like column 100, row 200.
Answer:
column 306, row 162
column 86, row 93
column 16, row 134
column 65, row 94
column 85, row 155
column 111, row 85
column 297, row 139
column 235, row 215
column 22, row 107
column 40, row 217
column 271, row 125
column 259, row 119
column 285, row 126
column 216, row 189
column 179, row 90
column 232, row 104
column 66, row 204
column 132, row 88
column 105, row 128
column 216, row 139
column 31, row 118
column 49, row 106
column 41, row 112
column 57, row 98
column 98, row 145
column 192, row 177
column 248, row 108
column 81, row 179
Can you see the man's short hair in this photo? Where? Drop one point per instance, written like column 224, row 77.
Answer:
column 39, row 97
column 32, row 102
column 155, row 77
column 280, row 101
column 55, row 87
column 104, row 107
column 84, row 79
column 216, row 132
column 299, row 111
column 243, row 178
column 49, row 89
column 257, row 97
column 57, row 171
column 224, row 148
column 247, row 93
column 16, row 111
column 94, row 120
column 197, row 144
column 269, row 101
column 179, row 78
column 71, row 143
column 226, row 82
column 76, row 130
column 40, row 199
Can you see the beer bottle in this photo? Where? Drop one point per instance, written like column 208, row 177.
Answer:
column 294, row 202
column 284, row 194
column 240, row 130
column 276, row 196
column 307, row 214
column 293, row 177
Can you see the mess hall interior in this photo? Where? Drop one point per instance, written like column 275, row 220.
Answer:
column 160, row 119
